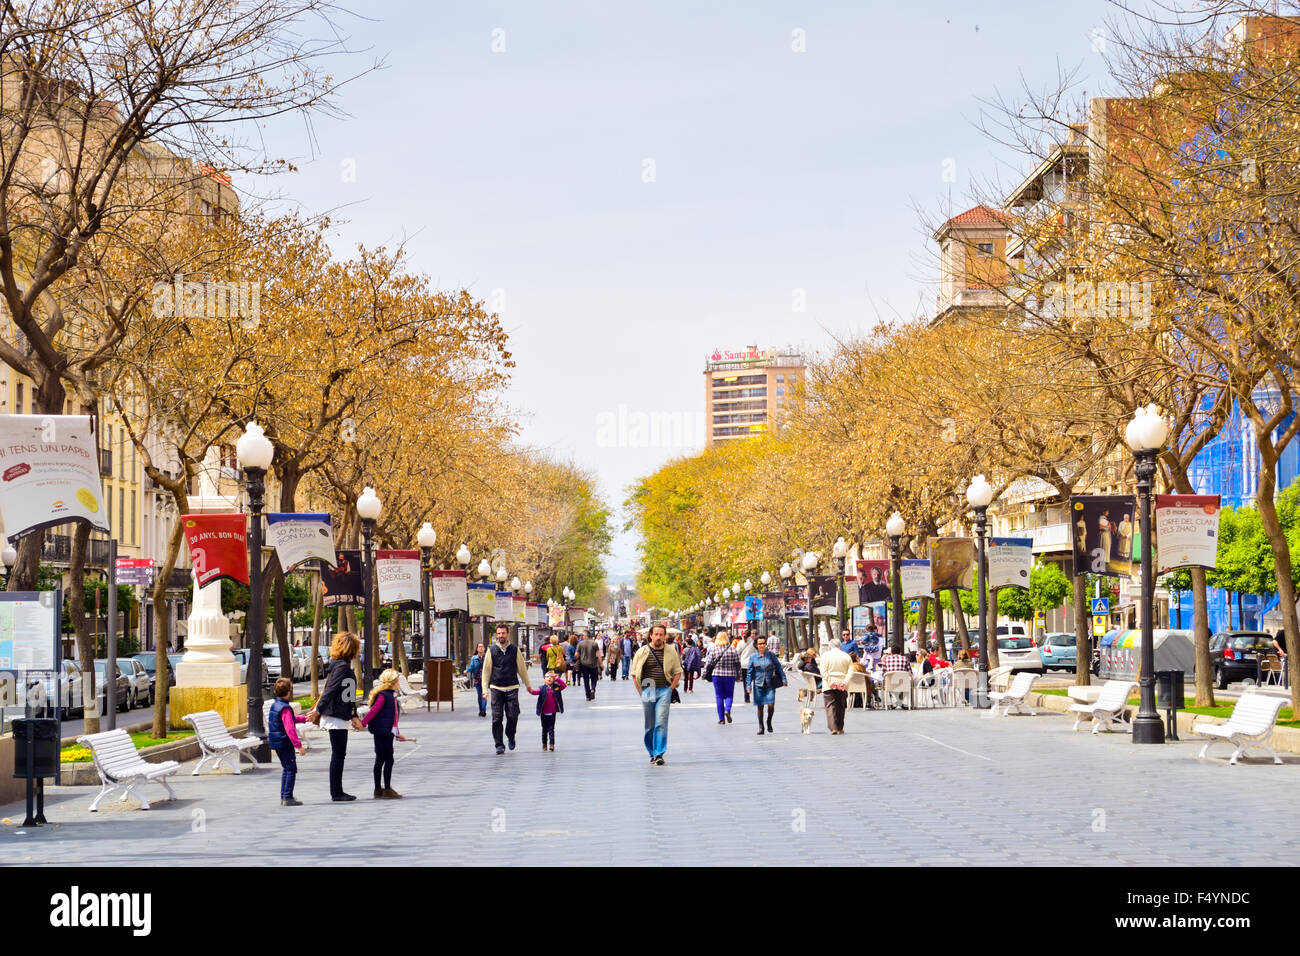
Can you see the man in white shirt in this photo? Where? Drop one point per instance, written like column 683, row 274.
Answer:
column 746, row 652
column 834, row 665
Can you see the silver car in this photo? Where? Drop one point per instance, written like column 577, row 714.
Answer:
column 1020, row 654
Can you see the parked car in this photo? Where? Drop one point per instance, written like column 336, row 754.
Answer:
column 1234, row 655
column 41, row 692
column 301, row 662
column 241, row 655
column 271, row 663
column 149, row 661
column 138, row 677
column 122, row 685
column 1060, row 651
column 1020, row 654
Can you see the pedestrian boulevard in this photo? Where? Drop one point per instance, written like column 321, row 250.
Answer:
column 930, row 787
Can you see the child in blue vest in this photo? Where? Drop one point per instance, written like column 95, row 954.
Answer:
column 381, row 720
column 282, row 737
column 550, row 702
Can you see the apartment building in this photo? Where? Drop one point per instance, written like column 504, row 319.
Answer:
column 746, row 391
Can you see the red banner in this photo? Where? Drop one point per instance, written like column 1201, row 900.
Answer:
column 218, row 547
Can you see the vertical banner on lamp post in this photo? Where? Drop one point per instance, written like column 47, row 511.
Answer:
column 300, row 537
column 49, row 473
column 915, row 575
column 535, row 614
column 449, row 591
column 1010, row 562
column 824, row 594
column 482, row 599
column 753, row 607
column 342, row 583
column 873, row 581
column 952, row 563
column 520, row 610
column 218, row 547
column 398, row 574
column 796, row 600
column 503, row 607
column 555, row 615
column 1103, row 528
column 773, row 605
column 1187, row 527
column 578, row 616
column 438, row 639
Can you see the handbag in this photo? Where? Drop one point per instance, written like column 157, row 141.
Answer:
column 675, row 698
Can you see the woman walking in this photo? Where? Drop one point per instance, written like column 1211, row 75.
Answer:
column 691, row 664
column 613, row 654
column 337, row 707
column 722, row 669
column 475, row 670
column 762, row 677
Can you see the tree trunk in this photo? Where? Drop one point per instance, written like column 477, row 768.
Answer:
column 939, row 625
column 922, row 620
column 992, row 635
column 274, row 574
column 962, row 634
column 1082, row 631
column 162, row 638
column 1241, row 613
column 1201, row 640
column 85, row 644
column 1282, row 561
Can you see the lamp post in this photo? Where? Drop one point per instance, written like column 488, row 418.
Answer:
column 255, row 452
column 463, row 558
column 426, row 537
column 528, row 599
column 515, row 587
column 368, row 508
column 894, row 529
column 9, row 556
column 978, row 495
column 809, row 563
column 786, row 573
column 1145, row 436
column 838, row 551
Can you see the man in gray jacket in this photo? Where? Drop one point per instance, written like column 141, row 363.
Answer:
column 589, row 658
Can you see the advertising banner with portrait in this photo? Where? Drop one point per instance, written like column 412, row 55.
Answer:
column 1102, row 529
column 952, row 563
column 773, row 605
column 873, row 581
column 342, row 584
column 796, row 600
column 824, row 591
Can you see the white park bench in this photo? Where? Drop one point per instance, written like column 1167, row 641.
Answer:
column 408, row 696
column 1250, row 725
column 1107, row 709
column 1013, row 696
column 216, row 743
column 121, row 767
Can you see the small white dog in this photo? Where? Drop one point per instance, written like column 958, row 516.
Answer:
column 805, row 719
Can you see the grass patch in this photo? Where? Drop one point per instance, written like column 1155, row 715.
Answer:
column 79, row 754
column 1285, row 718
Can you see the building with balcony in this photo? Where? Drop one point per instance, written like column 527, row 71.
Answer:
column 747, row 391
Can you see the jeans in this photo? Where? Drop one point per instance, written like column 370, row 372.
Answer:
column 689, row 679
column 478, row 692
column 654, row 703
column 384, row 761
column 338, row 753
column 548, row 729
column 724, row 689
column 590, row 676
column 627, row 662
column 507, row 702
column 289, row 773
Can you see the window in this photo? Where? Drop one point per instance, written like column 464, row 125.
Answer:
column 121, row 510
column 780, row 390
column 121, row 453
column 780, row 378
column 133, row 541
column 18, row 399
column 984, row 248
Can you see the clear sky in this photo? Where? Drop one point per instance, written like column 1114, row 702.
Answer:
column 634, row 184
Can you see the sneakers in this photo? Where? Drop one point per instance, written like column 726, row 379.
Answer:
column 343, row 798
column 290, row 802
column 552, row 747
column 501, row 750
column 760, row 730
column 721, row 722
column 511, row 744
column 389, row 793
column 659, row 761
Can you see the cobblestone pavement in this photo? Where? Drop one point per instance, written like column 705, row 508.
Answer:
column 930, row 787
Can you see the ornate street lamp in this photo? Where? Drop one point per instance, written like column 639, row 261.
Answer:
column 1145, row 436
column 839, row 551
column 368, row 508
column 979, row 494
column 255, row 452
column 9, row 556
column 894, row 529
column 463, row 558
column 426, row 537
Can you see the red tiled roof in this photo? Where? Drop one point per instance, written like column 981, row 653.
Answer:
column 980, row 213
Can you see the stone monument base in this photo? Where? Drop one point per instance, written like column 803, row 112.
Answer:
column 208, row 674
column 230, row 702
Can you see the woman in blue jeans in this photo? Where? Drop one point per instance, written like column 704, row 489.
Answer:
column 721, row 669
column 475, row 671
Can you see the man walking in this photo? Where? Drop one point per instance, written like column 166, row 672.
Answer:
column 835, row 666
column 503, row 668
column 629, row 649
column 656, row 670
column 589, row 658
column 746, row 651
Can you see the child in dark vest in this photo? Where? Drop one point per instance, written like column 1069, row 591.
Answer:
column 550, row 702
column 381, row 720
column 282, row 737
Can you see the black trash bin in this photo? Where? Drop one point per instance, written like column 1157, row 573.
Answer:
column 1170, row 697
column 44, row 735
